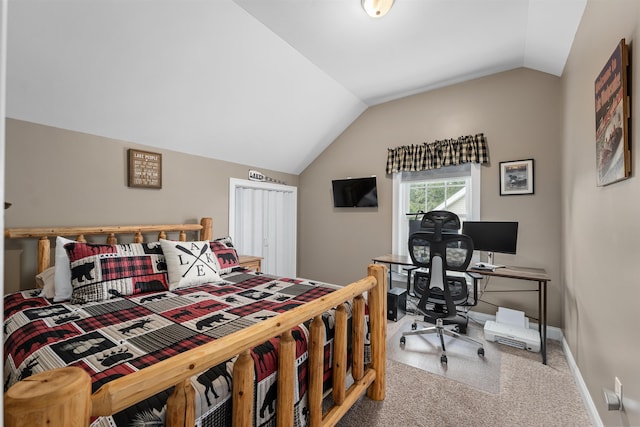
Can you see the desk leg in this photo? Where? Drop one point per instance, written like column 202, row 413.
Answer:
column 542, row 324
column 410, row 269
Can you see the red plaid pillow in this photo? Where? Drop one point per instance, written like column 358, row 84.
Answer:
column 100, row 272
column 226, row 254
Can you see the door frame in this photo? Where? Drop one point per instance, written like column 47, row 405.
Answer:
column 269, row 186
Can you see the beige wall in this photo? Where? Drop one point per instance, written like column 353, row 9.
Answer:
column 56, row 177
column 601, row 228
column 519, row 113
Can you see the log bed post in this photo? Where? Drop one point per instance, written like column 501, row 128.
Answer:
column 242, row 393
column 181, row 406
column 57, row 398
column 357, row 370
column 378, row 318
column 316, row 371
column 286, row 383
column 44, row 254
column 340, row 355
column 206, row 233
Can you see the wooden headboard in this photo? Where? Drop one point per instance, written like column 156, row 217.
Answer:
column 43, row 234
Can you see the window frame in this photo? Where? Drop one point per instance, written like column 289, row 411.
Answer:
column 470, row 170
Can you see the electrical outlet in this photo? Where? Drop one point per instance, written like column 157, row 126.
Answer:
column 618, row 388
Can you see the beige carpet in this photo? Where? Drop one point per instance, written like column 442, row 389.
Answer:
column 530, row 394
column 464, row 364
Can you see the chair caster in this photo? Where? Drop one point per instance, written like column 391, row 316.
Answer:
column 443, row 359
column 414, row 326
column 481, row 352
column 403, row 341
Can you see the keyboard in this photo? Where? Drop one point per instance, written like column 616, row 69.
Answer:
column 486, row 266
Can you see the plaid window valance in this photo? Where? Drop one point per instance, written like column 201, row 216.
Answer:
column 434, row 155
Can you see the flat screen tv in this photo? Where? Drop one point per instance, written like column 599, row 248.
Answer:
column 355, row 193
column 492, row 236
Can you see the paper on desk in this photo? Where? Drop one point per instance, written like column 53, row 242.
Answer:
column 511, row 317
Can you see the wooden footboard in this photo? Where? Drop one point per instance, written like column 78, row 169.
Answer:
column 62, row 397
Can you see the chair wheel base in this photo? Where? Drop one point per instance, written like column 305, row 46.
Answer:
column 481, row 352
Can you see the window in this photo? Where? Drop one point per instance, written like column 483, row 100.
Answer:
column 438, row 194
column 452, row 188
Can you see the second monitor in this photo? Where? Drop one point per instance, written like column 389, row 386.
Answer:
column 492, row 236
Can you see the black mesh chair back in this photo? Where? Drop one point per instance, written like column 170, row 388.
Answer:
column 439, row 248
column 440, row 222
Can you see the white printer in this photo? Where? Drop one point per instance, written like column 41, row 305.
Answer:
column 511, row 327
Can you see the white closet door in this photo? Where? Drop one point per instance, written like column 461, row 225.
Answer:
column 262, row 222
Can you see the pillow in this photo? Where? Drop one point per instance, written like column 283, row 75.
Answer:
column 45, row 281
column 62, row 276
column 190, row 263
column 226, row 254
column 100, row 272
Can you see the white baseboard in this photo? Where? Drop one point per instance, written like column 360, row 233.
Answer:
column 582, row 386
column 556, row 334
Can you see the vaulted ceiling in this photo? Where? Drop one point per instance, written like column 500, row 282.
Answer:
column 266, row 83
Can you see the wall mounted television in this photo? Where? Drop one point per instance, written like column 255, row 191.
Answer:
column 355, row 193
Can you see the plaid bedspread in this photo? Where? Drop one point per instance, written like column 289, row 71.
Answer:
column 112, row 338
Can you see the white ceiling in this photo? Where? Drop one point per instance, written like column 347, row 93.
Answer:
column 267, row 83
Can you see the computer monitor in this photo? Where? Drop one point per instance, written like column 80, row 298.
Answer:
column 492, row 236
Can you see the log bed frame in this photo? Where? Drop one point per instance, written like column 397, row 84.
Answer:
column 62, row 397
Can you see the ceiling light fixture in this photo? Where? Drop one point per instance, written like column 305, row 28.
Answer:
column 377, row 8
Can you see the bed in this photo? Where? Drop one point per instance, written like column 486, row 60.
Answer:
column 241, row 349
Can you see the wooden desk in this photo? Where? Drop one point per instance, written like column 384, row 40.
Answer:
column 393, row 259
column 528, row 274
column 521, row 273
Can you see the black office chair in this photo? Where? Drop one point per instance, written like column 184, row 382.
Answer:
column 438, row 247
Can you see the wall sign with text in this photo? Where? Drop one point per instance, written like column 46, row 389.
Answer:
column 145, row 169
